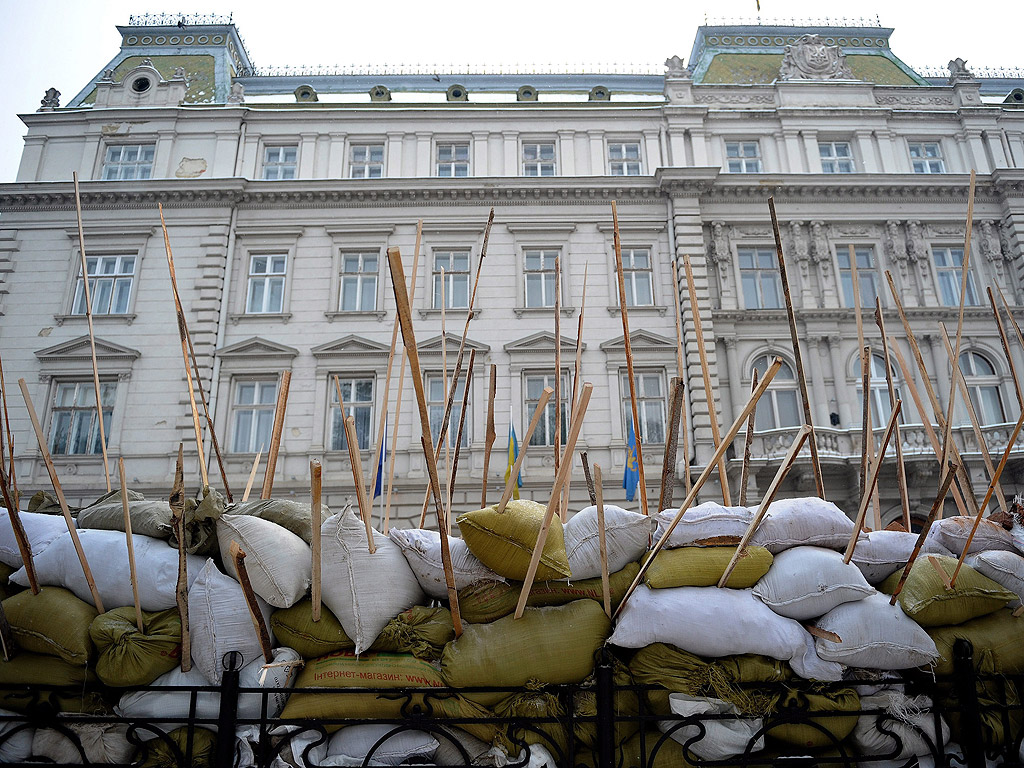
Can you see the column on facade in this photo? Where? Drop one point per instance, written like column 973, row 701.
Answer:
column 511, row 141
column 307, row 155
column 791, row 137
column 395, row 146
column 653, row 147
column 811, row 152
column 813, row 366
column 567, row 153
column 1000, row 156
column 224, row 153
column 699, row 145
column 676, row 144
column 937, row 362
column 737, row 397
column 887, row 148
column 164, row 151
column 336, row 154
column 1016, row 142
column 978, row 159
column 248, row 164
column 845, row 396
column 770, row 148
column 866, row 150
column 423, row 157
column 31, row 156
column 596, row 139
column 480, row 153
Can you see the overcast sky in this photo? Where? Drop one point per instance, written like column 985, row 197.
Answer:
column 64, row 43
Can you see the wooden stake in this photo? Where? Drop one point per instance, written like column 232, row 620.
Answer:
column 769, row 496
column 627, row 346
column 602, row 542
column 11, row 479
column 872, row 481
column 681, row 368
column 87, row 293
column 177, row 505
column 72, row 528
column 458, row 436
column 719, row 452
column 575, row 425
column 941, row 571
column 587, row 476
column 24, row 546
column 206, row 411
column 491, row 435
column 352, row 439
column 444, row 379
column 409, row 339
column 1006, row 346
column 668, row 464
column 258, row 622
column 442, row 435
column 131, row 545
column 901, row 470
column 797, row 355
column 868, row 434
column 275, row 437
column 748, row 440
column 1013, row 371
column 698, row 330
column 252, row 474
column 8, row 648
column 579, row 340
column 315, row 483
column 558, row 369
column 513, row 476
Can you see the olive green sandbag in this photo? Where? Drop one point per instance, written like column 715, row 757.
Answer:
column 626, row 705
column 704, row 566
column 807, row 736
column 149, row 518
column 504, row 542
column 21, row 677
column 7, row 587
column 925, row 599
column 998, row 641
column 486, row 601
column 294, row 627
column 997, row 698
column 550, row 645
column 293, row 515
column 534, row 708
column 420, row 630
column 54, row 623
column 157, row 753
column 128, row 657
column 640, row 751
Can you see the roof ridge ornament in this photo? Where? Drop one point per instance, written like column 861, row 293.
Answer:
column 958, row 71
column 810, row 58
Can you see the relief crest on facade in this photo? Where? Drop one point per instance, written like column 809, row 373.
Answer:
column 810, row 58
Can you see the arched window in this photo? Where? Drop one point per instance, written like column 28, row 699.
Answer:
column 881, row 408
column 983, row 387
column 779, row 406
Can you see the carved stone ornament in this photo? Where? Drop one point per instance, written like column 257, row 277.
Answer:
column 179, row 73
column 50, row 101
column 958, row 71
column 676, row 67
column 893, row 243
column 719, row 242
column 819, row 244
column 237, row 95
column 809, row 58
column 798, row 245
column 988, row 240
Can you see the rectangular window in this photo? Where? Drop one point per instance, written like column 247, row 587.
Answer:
column 539, row 159
column 636, row 275
column 453, row 160
column 948, row 265
column 456, row 279
column 867, row 273
column 836, row 157
column 74, row 428
column 436, row 402
column 280, row 162
column 366, row 161
column 650, row 405
column 266, row 283
column 544, row 434
column 759, row 275
column 358, row 282
column 110, row 285
column 253, row 418
column 128, row 161
column 357, row 400
column 624, row 158
column 743, row 156
column 926, row 157
column 539, row 273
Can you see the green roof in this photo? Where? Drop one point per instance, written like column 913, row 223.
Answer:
column 763, row 68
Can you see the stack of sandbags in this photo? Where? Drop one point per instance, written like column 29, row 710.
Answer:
column 128, row 657
column 40, row 530
column 505, row 541
column 278, row 562
column 879, row 554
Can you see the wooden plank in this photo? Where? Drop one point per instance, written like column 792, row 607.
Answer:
column 668, row 463
column 587, row 476
column 901, row 469
column 275, row 437
column 176, row 502
column 132, row 575
column 748, row 440
column 252, row 474
column 606, row 592
column 684, row 428
column 458, row 435
column 491, row 435
column 258, row 622
column 24, row 545
column 872, row 481
column 352, row 440
column 316, row 544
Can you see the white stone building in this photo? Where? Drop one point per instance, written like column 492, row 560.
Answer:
column 283, row 190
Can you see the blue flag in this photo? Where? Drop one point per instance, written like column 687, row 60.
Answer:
column 380, row 460
column 513, row 454
column 631, row 477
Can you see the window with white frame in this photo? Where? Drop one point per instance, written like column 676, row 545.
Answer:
column 453, row 159
column 253, row 414
column 366, row 161
column 926, row 157
column 983, row 387
column 538, row 158
column 650, row 405
column 356, row 401
column 743, row 156
column 836, row 157
column 760, row 277
column 437, row 399
column 624, row 158
column 539, row 274
column 535, row 383
column 128, row 161
column 280, row 162
column 867, row 274
column 948, row 268
column 637, row 277
column 881, row 407
column 451, row 270
column 358, row 282
column 266, row 283
column 110, row 285
column 779, row 406
column 74, row 428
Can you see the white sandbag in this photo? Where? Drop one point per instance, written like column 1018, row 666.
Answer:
column 909, row 719
column 723, row 738
column 627, row 535
column 706, row 523
column 806, row 521
column 874, row 635
column 351, row 746
column 278, row 562
column 879, row 554
column 804, row 582
column 455, row 745
column 953, row 533
column 714, row 622
column 364, row 591
column 101, row 742
column 220, row 622
column 40, row 530
column 1004, row 568
column 422, row 550
column 107, row 554
column 15, row 747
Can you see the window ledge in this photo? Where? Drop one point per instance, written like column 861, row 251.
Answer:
column 380, row 314
column 452, row 311
column 520, row 311
column 284, row 317
column 126, row 319
column 646, row 309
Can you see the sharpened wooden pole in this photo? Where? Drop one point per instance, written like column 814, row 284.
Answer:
column 176, row 501
column 606, row 591
column 315, row 486
column 558, row 368
column 1005, row 343
column 131, row 545
column 866, row 432
column 588, row 477
column 352, row 439
column 275, row 437
column 901, row 470
column 55, row 481
column 24, row 545
column 579, row 340
column 510, row 484
column 748, row 440
column 15, row 497
column 258, row 622
column 458, row 435
column 491, row 435
column 668, row 462
column 684, row 428
column 1013, row 370
column 252, row 474
column 872, row 481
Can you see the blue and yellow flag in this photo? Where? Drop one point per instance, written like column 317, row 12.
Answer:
column 378, row 484
column 631, row 476
column 513, row 454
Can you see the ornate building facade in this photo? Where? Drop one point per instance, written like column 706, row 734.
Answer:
column 282, row 192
